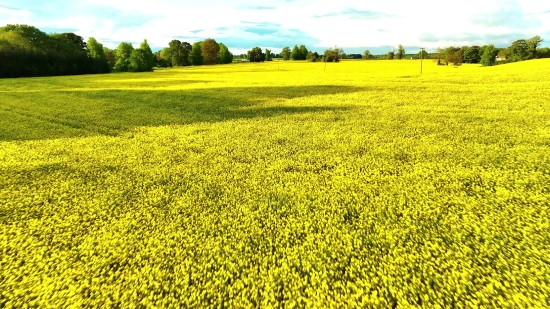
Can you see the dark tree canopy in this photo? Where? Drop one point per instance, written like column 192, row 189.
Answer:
column 256, row 55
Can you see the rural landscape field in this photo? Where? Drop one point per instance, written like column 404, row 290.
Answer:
column 359, row 184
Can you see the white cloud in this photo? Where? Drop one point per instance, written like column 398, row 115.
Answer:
column 316, row 23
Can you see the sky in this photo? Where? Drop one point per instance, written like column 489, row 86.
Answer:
column 354, row 26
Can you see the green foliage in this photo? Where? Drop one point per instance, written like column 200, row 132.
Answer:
column 534, row 43
column 110, row 55
column 333, row 54
column 285, row 53
column 123, row 53
column 256, row 55
column 390, row 55
column 225, row 55
column 149, row 55
column 400, row 52
column 519, row 51
column 140, row 61
column 196, row 54
column 268, row 55
column 489, row 55
column 366, row 55
column 295, row 53
column 303, row 52
column 27, row 51
column 472, row 54
column 179, row 53
column 313, row 56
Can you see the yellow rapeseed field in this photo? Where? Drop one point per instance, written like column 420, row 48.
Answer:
column 365, row 185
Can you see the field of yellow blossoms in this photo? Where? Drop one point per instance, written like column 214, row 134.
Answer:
column 358, row 185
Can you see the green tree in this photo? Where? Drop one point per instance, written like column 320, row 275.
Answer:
column 312, row 56
column 36, row 38
column 140, row 61
column 533, row 43
column 472, row 54
column 400, row 52
column 166, row 55
column 122, row 54
column 95, row 51
column 150, row 57
column 196, row 54
column 489, row 55
column 285, row 53
column 177, row 53
column 303, row 52
column 366, row 55
column 333, row 54
column 111, row 57
column 268, row 55
column 519, row 51
column 390, row 55
column 225, row 55
column 543, row 52
column 423, row 54
column 295, row 53
column 256, row 55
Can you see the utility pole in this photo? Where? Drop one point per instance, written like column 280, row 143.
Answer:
column 421, row 56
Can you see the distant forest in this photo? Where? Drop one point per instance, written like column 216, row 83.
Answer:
column 25, row 51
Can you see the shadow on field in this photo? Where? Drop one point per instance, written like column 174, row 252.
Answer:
column 58, row 114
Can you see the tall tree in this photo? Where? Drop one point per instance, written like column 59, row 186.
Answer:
column 111, row 57
column 390, row 55
column 177, row 52
column 186, row 49
column 295, row 53
column 225, row 55
column 196, row 54
column 140, row 61
column 489, row 55
column 366, row 54
column 210, row 51
column 519, row 50
column 166, row 55
column 472, row 54
column 533, row 43
column 285, row 53
column 95, row 51
column 123, row 53
column 256, row 55
column 268, row 55
column 333, row 54
column 303, row 52
column 400, row 52
column 149, row 55
column 312, row 56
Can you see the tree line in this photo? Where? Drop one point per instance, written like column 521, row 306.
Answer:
column 487, row 55
column 207, row 52
column 256, row 54
column 25, row 51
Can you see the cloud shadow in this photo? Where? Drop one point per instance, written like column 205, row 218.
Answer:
column 87, row 112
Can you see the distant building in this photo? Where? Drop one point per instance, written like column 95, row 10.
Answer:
column 245, row 60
